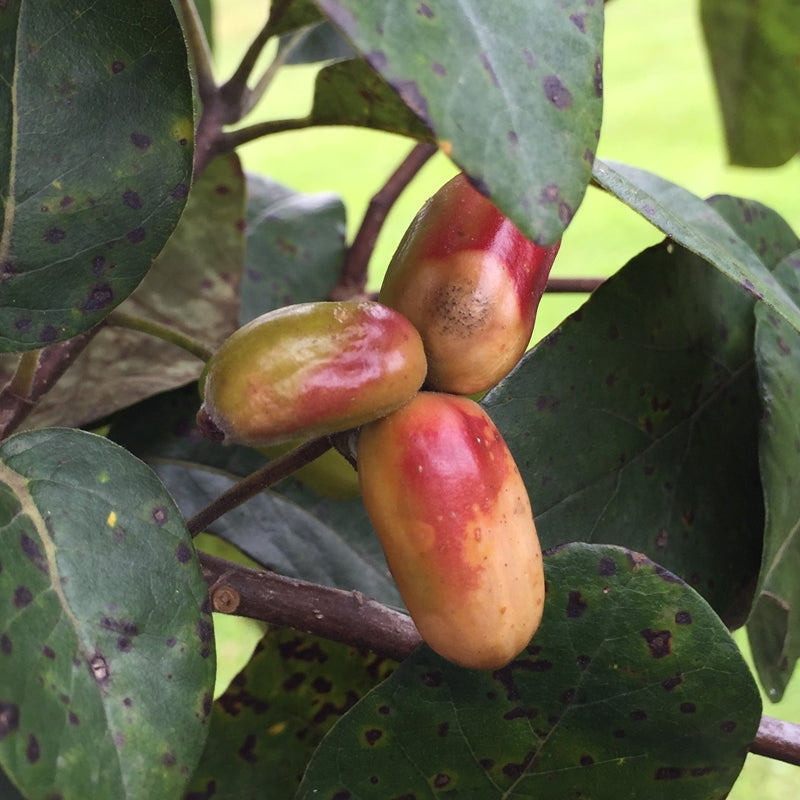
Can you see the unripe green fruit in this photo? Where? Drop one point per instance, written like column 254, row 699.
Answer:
column 451, row 510
column 308, row 370
column 470, row 283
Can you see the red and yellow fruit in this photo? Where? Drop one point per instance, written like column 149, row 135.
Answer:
column 470, row 283
column 310, row 369
column 448, row 503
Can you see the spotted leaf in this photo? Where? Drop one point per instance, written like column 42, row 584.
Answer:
column 95, row 160
column 631, row 687
column 106, row 646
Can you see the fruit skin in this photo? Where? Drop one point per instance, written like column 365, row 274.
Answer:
column 310, row 369
column 451, row 510
column 471, row 283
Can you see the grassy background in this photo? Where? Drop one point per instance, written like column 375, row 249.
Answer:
column 660, row 114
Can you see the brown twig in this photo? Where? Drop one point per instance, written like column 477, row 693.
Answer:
column 353, row 280
column 347, row 617
column 777, row 739
column 275, row 471
column 52, row 363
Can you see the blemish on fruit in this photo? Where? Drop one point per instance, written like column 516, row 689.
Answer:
column 5, row 645
column 576, row 605
column 443, row 729
column 160, row 515
column 48, row 652
column 136, row 236
column 638, row 715
column 245, row 752
column 556, row 92
column 683, row 618
column 607, row 567
column 688, row 708
column 441, row 780
column 372, row 736
column 183, row 553
column 117, row 67
column 586, row 760
column 729, row 726
column 579, row 21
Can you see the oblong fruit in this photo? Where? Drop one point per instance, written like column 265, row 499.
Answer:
column 448, row 503
column 310, row 369
column 471, row 283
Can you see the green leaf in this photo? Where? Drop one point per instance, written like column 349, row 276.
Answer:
column 755, row 55
column 295, row 247
column 193, row 288
column 689, row 221
column 511, row 91
column 286, row 537
column 105, row 644
column 352, row 93
column 618, row 421
column 774, row 627
column 321, row 42
column 95, row 158
column 631, row 687
column 267, row 725
column 289, row 15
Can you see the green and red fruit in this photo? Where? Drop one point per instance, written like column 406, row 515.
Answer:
column 471, row 283
column 308, row 370
column 451, row 510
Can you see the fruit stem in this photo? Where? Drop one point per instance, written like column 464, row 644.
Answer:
column 276, row 470
column 353, row 280
column 131, row 322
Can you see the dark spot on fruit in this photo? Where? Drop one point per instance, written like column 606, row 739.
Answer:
column 132, row 199
column 438, row 69
column 413, row 98
column 424, row 10
column 23, row 324
column 123, row 626
column 586, row 761
column 441, row 780
column 638, row 715
column 515, row 771
column 556, row 92
column 443, row 728
column 520, row 713
column 136, row 236
column 486, row 763
column 658, row 642
column 729, row 726
column 141, row 141
column 9, row 719
column 66, row 201
column 99, row 265
column 432, row 679
column 208, row 794
column 160, row 515
column 127, row 702
column 245, row 752
column 372, row 736
column 668, row 773
column 5, row 645
column 583, row 662
column 568, row 697
column 383, row 710
column 73, row 718
column 32, row 751
column 22, row 596
column 54, row 235
column 576, row 605
column 171, row 642
column 206, row 705
column 513, row 138
column 683, row 618
column 607, row 567
column 32, row 552
column 670, row 683
column 48, row 652
column 688, row 708
column 169, row 759
column 99, row 298
column 699, row 772
column 565, row 213
column 124, row 644
column 7, row 269
column 183, row 553
column 117, row 67
column 343, row 795
column 550, row 193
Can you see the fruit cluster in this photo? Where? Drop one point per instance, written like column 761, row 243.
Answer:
column 454, row 315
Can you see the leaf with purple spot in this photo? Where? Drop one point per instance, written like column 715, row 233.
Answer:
column 106, row 644
column 641, row 694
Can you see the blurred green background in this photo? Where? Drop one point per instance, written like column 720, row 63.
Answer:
column 660, row 114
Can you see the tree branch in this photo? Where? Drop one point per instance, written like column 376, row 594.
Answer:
column 52, row 363
column 347, row 617
column 353, row 280
column 778, row 739
column 275, row 471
